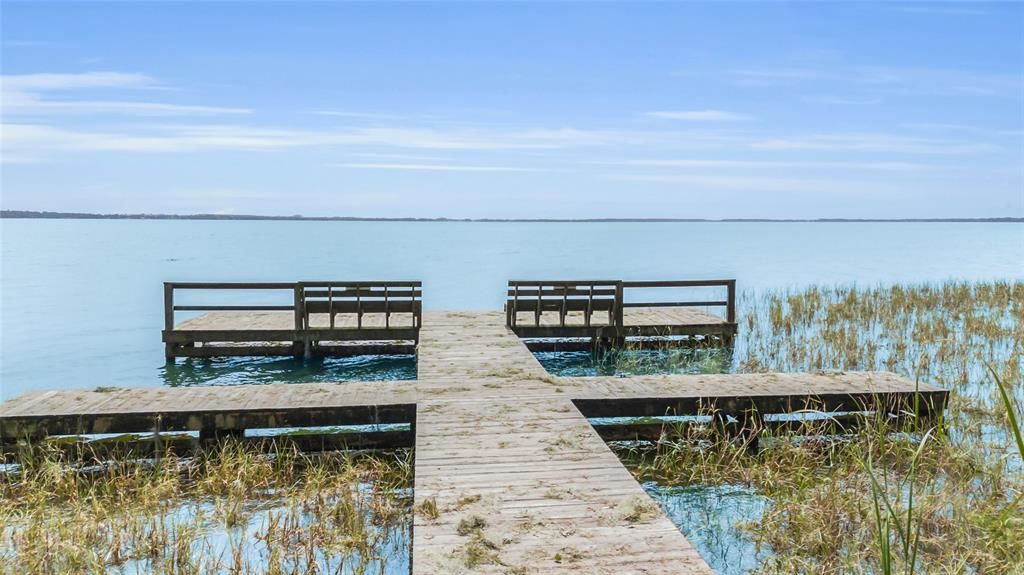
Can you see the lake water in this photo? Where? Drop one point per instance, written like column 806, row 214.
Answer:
column 81, row 300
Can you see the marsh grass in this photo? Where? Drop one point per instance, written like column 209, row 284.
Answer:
column 232, row 509
column 640, row 358
column 917, row 499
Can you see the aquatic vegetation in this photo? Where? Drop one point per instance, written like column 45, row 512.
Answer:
column 231, row 509
column 923, row 499
column 640, row 358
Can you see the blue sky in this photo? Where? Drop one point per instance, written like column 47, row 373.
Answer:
column 778, row 110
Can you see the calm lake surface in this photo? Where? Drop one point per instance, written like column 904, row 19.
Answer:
column 81, row 300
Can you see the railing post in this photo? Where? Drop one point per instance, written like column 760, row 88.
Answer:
column 417, row 304
column 540, row 301
column 168, row 319
column 619, row 300
column 168, row 306
column 515, row 306
column 300, row 306
column 730, row 309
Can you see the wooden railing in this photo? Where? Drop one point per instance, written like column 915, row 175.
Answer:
column 360, row 298
column 729, row 303
column 314, row 297
column 587, row 296
column 590, row 296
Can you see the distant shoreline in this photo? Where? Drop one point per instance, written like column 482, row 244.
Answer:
column 30, row 215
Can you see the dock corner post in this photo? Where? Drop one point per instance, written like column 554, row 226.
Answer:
column 169, row 347
column 299, row 347
column 730, row 314
column 619, row 301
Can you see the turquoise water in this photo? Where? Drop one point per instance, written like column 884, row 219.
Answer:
column 81, row 300
column 636, row 362
column 256, row 370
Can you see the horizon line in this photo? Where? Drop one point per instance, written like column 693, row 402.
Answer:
column 32, row 214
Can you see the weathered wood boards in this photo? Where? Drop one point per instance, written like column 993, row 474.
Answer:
column 532, row 488
column 520, row 481
column 227, row 408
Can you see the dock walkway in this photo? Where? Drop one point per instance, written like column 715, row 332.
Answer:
column 522, row 482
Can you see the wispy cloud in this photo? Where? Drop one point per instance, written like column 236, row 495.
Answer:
column 698, row 115
column 27, row 43
column 887, row 143
column 887, row 79
column 746, row 183
column 771, row 164
column 48, row 81
column 42, row 139
column 356, row 115
column 26, row 95
column 46, row 139
column 432, row 167
column 945, row 9
column 841, row 100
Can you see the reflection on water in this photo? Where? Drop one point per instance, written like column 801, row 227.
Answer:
column 241, row 370
column 627, row 362
column 711, row 517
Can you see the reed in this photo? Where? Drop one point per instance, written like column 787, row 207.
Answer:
column 920, row 498
column 232, row 509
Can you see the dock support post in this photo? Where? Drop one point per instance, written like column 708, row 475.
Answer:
column 730, row 308
column 619, row 301
column 169, row 347
column 299, row 345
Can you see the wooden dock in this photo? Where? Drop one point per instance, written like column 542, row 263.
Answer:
column 522, row 482
column 324, row 318
column 384, row 317
column 602, row 310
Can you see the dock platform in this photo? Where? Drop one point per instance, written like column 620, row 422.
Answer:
column 384, row 317
column 500, row 445
column 319, row 318
column 602, row 310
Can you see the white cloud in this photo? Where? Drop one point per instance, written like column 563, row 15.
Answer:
column 42, row 138
column 356, row 115
column 746, row 184
column 768, row 164
column 870, row 143
column 25, row 95
column 432, row 167
column 942, row 10
column 48, row 82
column 841, row 100
column 27, row 43
column 888, row 79
column 699, row 115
